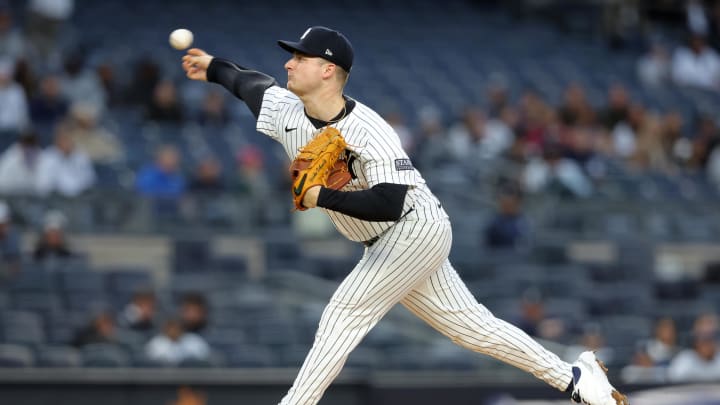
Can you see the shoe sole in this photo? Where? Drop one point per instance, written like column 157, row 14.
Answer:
column 619, row 398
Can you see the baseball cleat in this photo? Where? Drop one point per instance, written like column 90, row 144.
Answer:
column 591, row 385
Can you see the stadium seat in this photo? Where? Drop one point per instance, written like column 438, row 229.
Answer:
column 104, row 355
column 12, row 356
column 251, row 356
column 404, row 358
column 58, row 356
column 90, row 281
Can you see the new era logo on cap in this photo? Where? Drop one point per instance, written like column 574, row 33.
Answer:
column 324, row 43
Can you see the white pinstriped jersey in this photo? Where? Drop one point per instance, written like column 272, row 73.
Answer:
column 376, row 156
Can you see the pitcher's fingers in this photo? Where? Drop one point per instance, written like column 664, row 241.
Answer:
column 196, row 52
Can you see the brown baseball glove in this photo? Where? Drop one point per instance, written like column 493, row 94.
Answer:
column 320, row 162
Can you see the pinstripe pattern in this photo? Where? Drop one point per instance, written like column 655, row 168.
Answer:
column 370, row 139
column 445, row 303
column 408, row 263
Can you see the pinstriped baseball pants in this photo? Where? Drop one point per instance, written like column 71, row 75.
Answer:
column 409, row 265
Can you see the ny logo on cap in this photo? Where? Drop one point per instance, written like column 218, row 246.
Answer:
column 307, row 31
column 328, row 52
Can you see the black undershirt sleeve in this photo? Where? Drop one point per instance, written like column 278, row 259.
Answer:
column 247, row 85
column 383, row 202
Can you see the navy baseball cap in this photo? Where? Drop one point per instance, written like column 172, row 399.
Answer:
column 325, row 43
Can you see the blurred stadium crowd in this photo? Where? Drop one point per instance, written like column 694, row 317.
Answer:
column 536, row 127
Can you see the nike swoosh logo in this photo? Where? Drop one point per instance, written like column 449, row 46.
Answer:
column 298, row 190
column 289, row 129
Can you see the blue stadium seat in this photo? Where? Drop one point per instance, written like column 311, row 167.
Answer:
column 190, row 255
column 225, row 337
column 448, row 356
column 291, row 355
column 216, row 359
column 407, row 357
column 13, row 356
column 58, row 356
column 90, row 281
column 104, row 355
column 128, row 279
column 33, row 280
column 275, row 331
column 41, row 302
column 252, row 356
column 22, row 327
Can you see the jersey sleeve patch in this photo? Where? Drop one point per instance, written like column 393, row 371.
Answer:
column 403, row 164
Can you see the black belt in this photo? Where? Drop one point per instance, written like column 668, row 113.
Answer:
column 372, row 241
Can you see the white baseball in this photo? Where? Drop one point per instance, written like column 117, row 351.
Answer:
column 181, row 38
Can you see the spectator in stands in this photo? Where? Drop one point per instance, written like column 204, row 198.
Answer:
column 705, row 139
column 163, row 180
column 663, row 346
column 106, row 74
column 46, row 21
column 643, row 369
column 591, row 339
column 697, row 19
column 532, row 312
column 696, row 65
column 653, row 149
column 397, row 122
column 19, row 166
column 463, row 136
column 209, row 203
column 52, row 244
column 556, row 175
column 539, row 121
column 102, row 329
column 497, row 94
column 575, row 108
column 12, row 42
column 478, row 137
column 10, row 253
column 706, row 323
column 164, row 106
column 508, row 228
column 618, row 107
column 80, row 84
column 65, row 170
column 213, row 110
column 174, row 345
column 676, row 140
column 622, row 23
column 194, row 312
column 14, row 114
column 499, row 133
column 208, row 178
column 623, row 136
column 432, row 150
column 701, row 363
column 49, row 105
column 25, row 76
column 714, row 20
column 83, row 127
column 139, row 314
column 712, row 170
column 145, row 78
column 653, row 68
column 252, row 178
column 581, row 147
